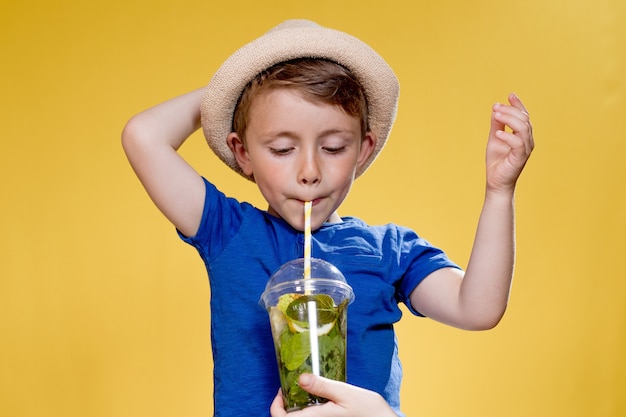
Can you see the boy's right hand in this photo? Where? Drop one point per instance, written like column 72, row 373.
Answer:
column 345, row 400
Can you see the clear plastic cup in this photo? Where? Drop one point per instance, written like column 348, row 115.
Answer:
column 308, row 319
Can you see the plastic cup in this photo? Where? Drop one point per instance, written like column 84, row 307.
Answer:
column 309, row 325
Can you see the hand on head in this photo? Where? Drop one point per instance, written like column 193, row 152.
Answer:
column 345, row 400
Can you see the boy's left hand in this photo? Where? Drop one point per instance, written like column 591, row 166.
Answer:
column 508, row 151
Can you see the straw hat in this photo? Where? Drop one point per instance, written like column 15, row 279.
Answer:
column 290, row 40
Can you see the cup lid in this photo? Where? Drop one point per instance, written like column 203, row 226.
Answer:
column 326, row 278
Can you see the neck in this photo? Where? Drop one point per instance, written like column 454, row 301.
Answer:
column 334, row 218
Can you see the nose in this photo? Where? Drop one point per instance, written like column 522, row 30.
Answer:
column 309, row 172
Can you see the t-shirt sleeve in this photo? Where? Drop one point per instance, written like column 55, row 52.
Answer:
column 221, row 219
column 418, row 259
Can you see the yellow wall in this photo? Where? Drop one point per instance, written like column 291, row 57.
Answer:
column 103, row 312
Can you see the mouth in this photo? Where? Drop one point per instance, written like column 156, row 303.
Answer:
column 314, row 202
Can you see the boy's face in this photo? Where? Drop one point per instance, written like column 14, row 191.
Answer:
column 301, row 151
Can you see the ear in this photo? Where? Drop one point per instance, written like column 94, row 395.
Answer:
column 367, row 147
column 240, row 152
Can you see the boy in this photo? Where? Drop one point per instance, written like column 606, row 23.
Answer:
column 302, row 111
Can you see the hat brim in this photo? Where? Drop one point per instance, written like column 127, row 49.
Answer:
column 291, row 40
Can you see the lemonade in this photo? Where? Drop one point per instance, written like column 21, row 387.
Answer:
column 309, row 336
column 308, row 314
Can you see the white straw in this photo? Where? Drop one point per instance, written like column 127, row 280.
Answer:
column 312, row 305
column 307, row 239
column 315, row 350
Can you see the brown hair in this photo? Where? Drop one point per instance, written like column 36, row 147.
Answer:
column 318, row 80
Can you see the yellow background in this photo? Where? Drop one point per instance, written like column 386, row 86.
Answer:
column 104, row 312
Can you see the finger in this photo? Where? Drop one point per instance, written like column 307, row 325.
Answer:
column 496, row 124
column 277, row 409
column 322, row 387
column 315, row 385
column 520, row 148
column 517, row 122
column 519, row 111
column 516, row 102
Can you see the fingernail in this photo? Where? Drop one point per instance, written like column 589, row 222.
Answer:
column 305, row 379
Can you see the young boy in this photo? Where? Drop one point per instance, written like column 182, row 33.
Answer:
column 302, row 111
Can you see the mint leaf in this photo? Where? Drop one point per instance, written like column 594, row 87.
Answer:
column 332, row 355
column 295, row 348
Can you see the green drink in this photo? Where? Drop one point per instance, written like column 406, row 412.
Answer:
column 308, row 320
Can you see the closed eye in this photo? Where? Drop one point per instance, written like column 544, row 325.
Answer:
column 336, row 150
column 281, row 151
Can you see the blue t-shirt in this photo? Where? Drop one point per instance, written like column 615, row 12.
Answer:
column 242, row 246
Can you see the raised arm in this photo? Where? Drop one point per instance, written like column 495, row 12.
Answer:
column 478, row 299
column 151, row 140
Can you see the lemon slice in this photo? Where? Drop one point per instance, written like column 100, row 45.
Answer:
column 297, row 313
column 277, row 321
column 286, row 299
column 321, row 330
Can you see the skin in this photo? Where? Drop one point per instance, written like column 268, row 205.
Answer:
column 477, row 299
column 345, row 400
column 301, row 151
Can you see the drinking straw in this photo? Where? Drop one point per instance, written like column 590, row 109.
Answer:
column 307, row 239
column 312, row 305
